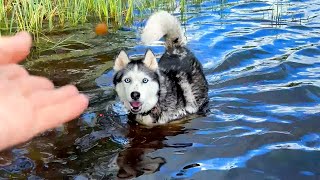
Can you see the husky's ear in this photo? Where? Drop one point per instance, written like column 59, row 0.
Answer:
column 121, row 61
column 150, row 60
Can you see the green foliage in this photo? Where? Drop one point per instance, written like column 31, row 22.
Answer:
column 43, row 16
column 64, row 18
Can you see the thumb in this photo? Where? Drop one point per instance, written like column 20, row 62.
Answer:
column 14, row 49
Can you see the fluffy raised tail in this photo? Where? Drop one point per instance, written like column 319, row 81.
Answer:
column 162, row 24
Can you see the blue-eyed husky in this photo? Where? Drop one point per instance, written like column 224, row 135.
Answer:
column 159, row 92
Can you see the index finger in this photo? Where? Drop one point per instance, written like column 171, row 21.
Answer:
column 14, row 49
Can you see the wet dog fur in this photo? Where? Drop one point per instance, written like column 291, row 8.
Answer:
column 159, row 92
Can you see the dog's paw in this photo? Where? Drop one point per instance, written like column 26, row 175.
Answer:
column 162, row 121
column 145, row 120
column 191, row 108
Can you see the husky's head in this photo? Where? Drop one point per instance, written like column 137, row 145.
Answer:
column 137, row 82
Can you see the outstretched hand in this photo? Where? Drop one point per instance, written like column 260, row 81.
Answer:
column 30, row 104
column 15, row 48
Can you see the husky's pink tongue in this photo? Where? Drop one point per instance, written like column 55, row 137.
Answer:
column 135, row 104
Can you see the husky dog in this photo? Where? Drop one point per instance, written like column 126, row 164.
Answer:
column 159, row 92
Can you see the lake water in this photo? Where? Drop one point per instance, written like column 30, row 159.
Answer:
column 262, row 61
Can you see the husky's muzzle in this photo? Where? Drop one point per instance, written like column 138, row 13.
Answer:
column 136, row 105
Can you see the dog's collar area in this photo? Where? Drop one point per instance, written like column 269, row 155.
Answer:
column 147, row 113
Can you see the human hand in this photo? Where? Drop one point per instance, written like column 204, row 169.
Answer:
column 30, row 104
column 14, row 49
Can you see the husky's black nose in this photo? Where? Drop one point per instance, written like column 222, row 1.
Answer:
column 135, row 95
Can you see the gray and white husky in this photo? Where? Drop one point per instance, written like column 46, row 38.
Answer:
column 159, row 92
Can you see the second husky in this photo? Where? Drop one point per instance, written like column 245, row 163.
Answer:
column 159, row 92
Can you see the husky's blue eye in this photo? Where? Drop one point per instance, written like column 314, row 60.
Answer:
column 127, row 80
column 145, row 80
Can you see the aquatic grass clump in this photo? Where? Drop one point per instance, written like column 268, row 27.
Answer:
column 47, row 15
column 54, row 23
column 42, row 16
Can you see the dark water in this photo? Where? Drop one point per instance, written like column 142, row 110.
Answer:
column 262, row 61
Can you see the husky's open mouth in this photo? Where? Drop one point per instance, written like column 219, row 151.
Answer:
column 135, row 106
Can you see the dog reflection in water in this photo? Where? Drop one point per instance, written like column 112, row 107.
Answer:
column 135, row 161
column 136, row 158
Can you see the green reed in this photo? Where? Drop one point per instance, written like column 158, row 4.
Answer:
column 43, row 16
column 49, row 19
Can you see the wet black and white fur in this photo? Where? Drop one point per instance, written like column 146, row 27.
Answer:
column 159, row 92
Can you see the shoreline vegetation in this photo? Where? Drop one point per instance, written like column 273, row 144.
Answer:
column 47, row 18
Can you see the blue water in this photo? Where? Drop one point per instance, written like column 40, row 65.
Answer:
column 262, row 61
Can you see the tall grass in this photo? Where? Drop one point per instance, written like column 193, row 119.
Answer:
column 43, row 16
column 52, row 21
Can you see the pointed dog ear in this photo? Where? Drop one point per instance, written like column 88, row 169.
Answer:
column 121, row 61
column 150, row 60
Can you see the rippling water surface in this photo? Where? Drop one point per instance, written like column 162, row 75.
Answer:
column 262, row 61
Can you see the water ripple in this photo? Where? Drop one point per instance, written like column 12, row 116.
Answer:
column 310, row 142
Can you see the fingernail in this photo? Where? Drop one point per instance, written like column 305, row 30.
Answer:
column 85, row 97
column 24, row 35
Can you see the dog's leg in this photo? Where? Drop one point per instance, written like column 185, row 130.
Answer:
column 167, row 116
column 191, row 103
column 145, row 120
